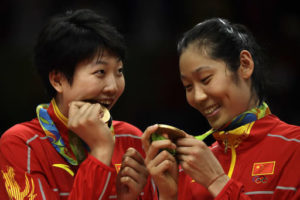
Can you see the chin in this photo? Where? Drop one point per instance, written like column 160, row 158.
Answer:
column 215, row 125
column 110, row 106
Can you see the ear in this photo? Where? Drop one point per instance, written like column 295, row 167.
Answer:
column 56, row 79
column 246, row 64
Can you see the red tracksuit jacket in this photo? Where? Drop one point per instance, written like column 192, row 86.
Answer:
column 32, row 169
column 267, row 165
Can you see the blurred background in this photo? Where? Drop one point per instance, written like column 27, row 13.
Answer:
column 153, row 93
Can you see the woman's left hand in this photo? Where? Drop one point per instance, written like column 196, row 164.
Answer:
column 132, row 176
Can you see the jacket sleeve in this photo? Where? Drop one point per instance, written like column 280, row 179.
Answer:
column 189, row 189
column 24, row 178
column 93, row 180
column 233, row 190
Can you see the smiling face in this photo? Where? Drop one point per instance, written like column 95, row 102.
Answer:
column 213, row 89
column 99, row 80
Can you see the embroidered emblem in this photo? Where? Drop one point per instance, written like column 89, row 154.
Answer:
column 118, row 167
column 260, row 179
column 14, row 190
column 263, row 168
column 65, row 167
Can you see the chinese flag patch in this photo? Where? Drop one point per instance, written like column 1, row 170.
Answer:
column 263, row 168
column 118, row 167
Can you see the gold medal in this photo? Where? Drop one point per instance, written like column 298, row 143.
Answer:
column 169, row 132
column 105, row 115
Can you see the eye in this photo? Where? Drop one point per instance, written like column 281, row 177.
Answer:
column 206, row 80
column 101, row 71
column 188, row 87
column 120, row 71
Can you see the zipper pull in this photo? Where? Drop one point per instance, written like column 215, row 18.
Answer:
column 226, row 142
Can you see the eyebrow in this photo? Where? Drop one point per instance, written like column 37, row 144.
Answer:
column 198, row 69
column 101, row 61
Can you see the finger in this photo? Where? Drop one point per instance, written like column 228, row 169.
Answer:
column 160, row 166
column 183, row 150
column 181, row 157
column 188, row 136
column 102, row 108
column 156, row 146
column 90, row 111
column 96, row 110
column 146, row 136
column 76, row 110
column 161, row 157
column 73, row 109
column 188, row 142
column 186, row 167
column 137, row 176
column 77, row 103
column 185, row 162
column 134, row 165
column 131, row 184
column 166, row 165
column 134, row 154
column 83, row 110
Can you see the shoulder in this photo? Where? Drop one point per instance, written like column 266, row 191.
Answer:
column 124, row 128
column 22, row 132
column 285, row 130
column 127, row 135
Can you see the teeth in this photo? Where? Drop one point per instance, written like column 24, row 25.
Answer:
column 105, row 102
column 210, row 110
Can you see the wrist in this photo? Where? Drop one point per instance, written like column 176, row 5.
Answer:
column 103, row 154
column 217, row 184
column 161, row 197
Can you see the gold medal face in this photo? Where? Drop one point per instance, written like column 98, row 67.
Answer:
column 106, row 115
column 172, row 132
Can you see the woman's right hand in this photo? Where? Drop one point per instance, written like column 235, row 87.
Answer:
column 84, row 120
column 161, row 164
column 199, row 162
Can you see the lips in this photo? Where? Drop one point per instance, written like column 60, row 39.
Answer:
column 211, row 110
column 106, row 103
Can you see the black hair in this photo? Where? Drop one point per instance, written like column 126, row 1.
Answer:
column 222, row 40
column 66, row 40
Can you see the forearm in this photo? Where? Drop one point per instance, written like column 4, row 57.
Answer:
column 233, row 190
column 162, row 197
column 103, row 154
column 93, row 180
column 217, row 185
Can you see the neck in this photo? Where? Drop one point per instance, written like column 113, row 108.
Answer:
column 61, row 105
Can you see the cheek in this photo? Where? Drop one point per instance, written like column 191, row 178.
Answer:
column 190, row 99
column 121, row 86
column 218, row 89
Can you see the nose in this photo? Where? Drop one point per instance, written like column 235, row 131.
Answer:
column 111, row 85
column 200, row 94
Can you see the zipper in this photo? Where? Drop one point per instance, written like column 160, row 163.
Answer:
column 233, row 161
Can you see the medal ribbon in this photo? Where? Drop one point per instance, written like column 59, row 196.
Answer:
column 78, row 150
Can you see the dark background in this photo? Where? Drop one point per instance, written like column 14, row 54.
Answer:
column 153, row 91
